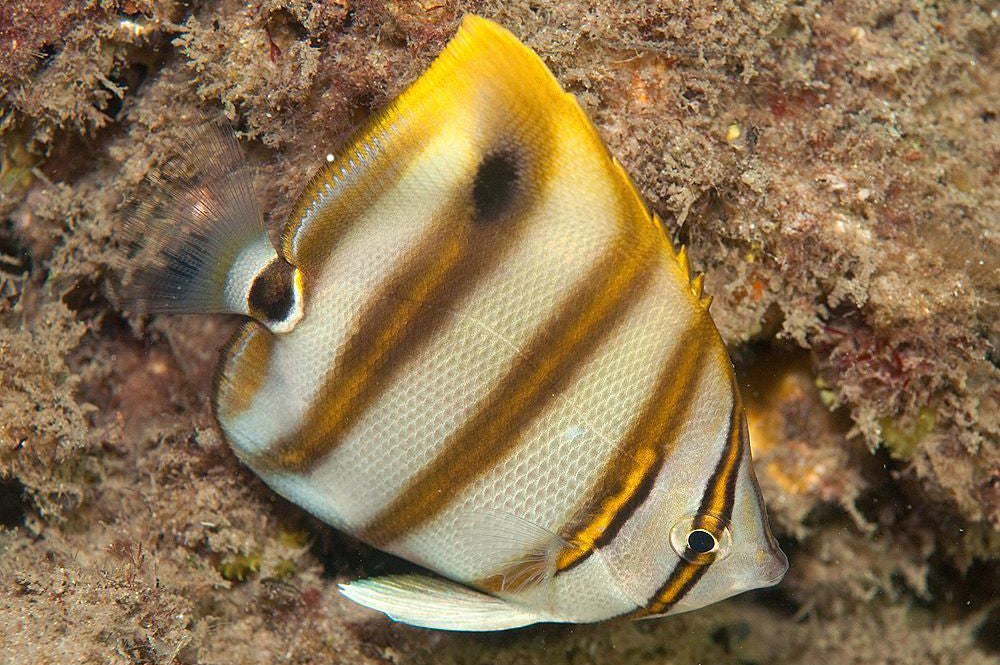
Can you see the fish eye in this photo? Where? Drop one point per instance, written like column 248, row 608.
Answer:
column 701, row 538
column 700, row 541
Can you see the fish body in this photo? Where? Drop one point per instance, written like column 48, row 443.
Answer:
column 475, row 349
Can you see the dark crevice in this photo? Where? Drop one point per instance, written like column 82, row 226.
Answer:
column 13, row 504
column 14, row 259
column 282, row 23
column 112, row 106
column 86, row 297
column 47, row 55
column 988, row 635
column 885, row 21
column 730, row 635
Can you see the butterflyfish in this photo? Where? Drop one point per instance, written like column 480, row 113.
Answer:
column 475, row 348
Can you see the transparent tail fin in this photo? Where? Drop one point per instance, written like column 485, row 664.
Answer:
column 187, row 226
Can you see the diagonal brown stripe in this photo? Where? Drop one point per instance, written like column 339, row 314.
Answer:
column 409, row 307
column 629, row 475
column 550, row 360
column 718, row 499
column 721, row 488
column 401, row 318
column 234, row 384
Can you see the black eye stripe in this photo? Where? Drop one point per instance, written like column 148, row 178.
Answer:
column 496, row 185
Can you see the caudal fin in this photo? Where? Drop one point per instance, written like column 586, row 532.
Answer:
column 196, row 241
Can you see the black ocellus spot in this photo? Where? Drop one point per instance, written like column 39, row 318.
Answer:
column 495, row 186
column 272, row 293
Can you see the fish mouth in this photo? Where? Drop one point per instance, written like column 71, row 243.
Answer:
column 772, row 566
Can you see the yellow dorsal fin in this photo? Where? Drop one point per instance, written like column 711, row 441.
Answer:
column 696, row 281
column 697, row 288
column 682, row 259
column 697, row 284
column 486, row 88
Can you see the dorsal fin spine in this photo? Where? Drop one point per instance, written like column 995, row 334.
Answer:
column 697, row 285
column 682, row 258
column 696, row 281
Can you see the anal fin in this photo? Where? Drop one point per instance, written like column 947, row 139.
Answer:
column 420, row 600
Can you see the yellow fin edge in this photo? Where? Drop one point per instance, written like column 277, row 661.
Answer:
column 696, row 281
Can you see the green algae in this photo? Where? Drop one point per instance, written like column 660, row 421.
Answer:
column 240, row 567
column 903, row 440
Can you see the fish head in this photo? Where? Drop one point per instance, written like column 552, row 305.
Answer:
column 715, row 557
column 722, row 545
column 700, row 538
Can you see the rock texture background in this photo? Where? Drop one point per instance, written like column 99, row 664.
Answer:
column 834, row 168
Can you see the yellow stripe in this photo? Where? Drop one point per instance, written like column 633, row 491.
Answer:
column 320, row 219
column 718, row 503
column 714, row 512
column 644, row 450
column 680, row 582
column 242, row 370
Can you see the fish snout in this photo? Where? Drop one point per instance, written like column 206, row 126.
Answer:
column 771, row 565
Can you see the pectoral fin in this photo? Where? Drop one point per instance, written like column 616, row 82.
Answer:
column 436, row 603
column 517, row 554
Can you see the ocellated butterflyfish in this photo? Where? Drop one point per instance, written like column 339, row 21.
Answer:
column 474, row 348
